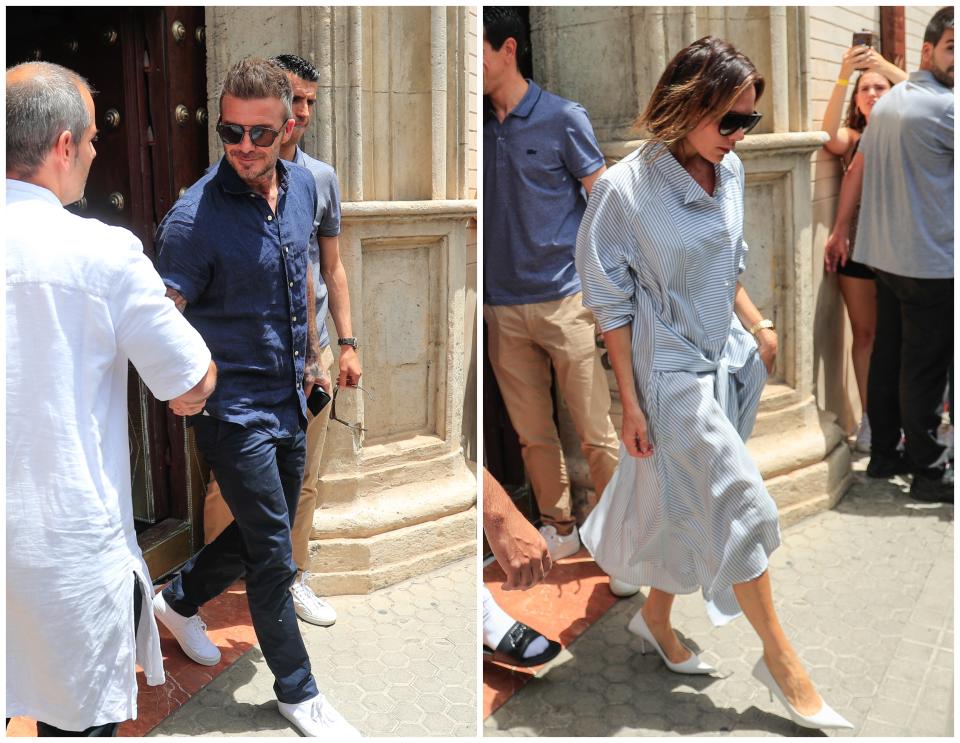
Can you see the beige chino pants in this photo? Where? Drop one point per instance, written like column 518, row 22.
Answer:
column 522, row 342
column 217, row 516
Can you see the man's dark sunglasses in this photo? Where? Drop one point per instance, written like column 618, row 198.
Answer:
column 733, row 121
column 261, row 136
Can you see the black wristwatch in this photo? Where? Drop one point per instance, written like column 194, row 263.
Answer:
column 352, row 342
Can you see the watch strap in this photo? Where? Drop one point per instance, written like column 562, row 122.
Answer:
column 761, row 325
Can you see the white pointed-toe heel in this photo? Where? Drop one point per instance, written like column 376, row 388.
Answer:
column 823, row 719
column 692, row 665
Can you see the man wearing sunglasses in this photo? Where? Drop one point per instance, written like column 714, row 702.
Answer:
column 233, row 253
column 329, row 279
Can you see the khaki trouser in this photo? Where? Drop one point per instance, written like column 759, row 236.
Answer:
column 217, row 516
column 522, row 341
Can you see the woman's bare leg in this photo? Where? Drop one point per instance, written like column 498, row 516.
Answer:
column 860, row 297
column 756, row 600
column 656, row 613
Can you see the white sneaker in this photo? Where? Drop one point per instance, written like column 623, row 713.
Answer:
column 317, row 718
column 310, row 607
column 560, row 546
column 862, row 442
column 621, row 588
column 189, row 632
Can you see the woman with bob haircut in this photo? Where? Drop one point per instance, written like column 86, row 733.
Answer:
column 659, row 253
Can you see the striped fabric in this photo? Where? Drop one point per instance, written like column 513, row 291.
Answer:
column 655, row 250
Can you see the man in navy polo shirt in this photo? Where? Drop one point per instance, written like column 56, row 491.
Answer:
column 233, row 254
column 540, row 158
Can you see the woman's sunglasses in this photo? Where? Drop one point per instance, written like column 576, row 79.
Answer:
column 733, row 121
column 261, row 136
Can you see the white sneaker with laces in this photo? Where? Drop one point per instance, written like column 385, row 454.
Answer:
column 310, row 607
column 189, row 632
column 560, row 546
column 862, row 442
column 317, row 718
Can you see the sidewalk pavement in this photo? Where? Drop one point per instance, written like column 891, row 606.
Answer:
column 865, row 593
column 400, row 661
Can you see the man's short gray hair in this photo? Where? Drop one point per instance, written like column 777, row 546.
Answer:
column 40, row 108
column 256, row 77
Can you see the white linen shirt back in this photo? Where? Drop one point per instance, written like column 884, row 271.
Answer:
column 81, row 301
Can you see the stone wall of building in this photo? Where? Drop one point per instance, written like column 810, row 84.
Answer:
column 396, row 117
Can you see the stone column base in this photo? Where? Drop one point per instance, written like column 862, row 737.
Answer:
column 387, row 535
column 801, row 453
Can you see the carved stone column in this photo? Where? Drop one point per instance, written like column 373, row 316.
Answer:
column 399, row 501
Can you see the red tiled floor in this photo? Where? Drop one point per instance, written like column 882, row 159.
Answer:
column 574, row 595
column 229, row 626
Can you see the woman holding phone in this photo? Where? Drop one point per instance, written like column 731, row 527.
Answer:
column 876, row 76
column 659, row 253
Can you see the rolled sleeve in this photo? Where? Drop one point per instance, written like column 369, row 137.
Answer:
column 581, row 153
column 167, row 352
column 602, row 244
column 181, row 260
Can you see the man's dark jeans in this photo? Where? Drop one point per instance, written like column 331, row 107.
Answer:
column 260, row 477
column 912, row 357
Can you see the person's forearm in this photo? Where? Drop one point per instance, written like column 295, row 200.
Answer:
column 831, row 119
column 620, row 352
column 851, row 188
column 338, row 292
column 496, row 503
column 193, row 400
column 745, row 308
column 313, row 337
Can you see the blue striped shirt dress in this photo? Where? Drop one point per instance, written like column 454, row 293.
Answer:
column 655, row 250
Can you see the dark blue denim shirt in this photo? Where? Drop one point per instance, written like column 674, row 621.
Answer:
column 243, row 271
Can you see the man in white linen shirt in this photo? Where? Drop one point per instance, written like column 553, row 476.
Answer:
column 82, row 300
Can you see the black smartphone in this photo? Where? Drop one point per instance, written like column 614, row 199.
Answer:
column 318, row 400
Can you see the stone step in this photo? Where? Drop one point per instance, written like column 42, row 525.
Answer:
column 386, row 558
column 778, row 453
column 398, row 507
column 392, row 473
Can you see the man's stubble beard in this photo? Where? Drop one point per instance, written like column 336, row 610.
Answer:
column 260, row 175
column 943, row 77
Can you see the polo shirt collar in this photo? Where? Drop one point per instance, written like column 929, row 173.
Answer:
column 525, row 107
column 230, row 182
column 679, row 179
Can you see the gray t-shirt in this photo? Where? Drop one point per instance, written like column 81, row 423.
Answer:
column 906, row 210
column 326, row 223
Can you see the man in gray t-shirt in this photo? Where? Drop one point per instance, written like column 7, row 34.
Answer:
column 904, row 169
column 330, row 281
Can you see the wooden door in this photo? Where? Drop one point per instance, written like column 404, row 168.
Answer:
column 147, row 68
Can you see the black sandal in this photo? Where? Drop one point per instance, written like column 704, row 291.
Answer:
column 513, row 645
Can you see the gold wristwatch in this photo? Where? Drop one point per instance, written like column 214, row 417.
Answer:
column 761, row 325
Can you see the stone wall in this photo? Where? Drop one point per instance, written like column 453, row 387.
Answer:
column 396, row 117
